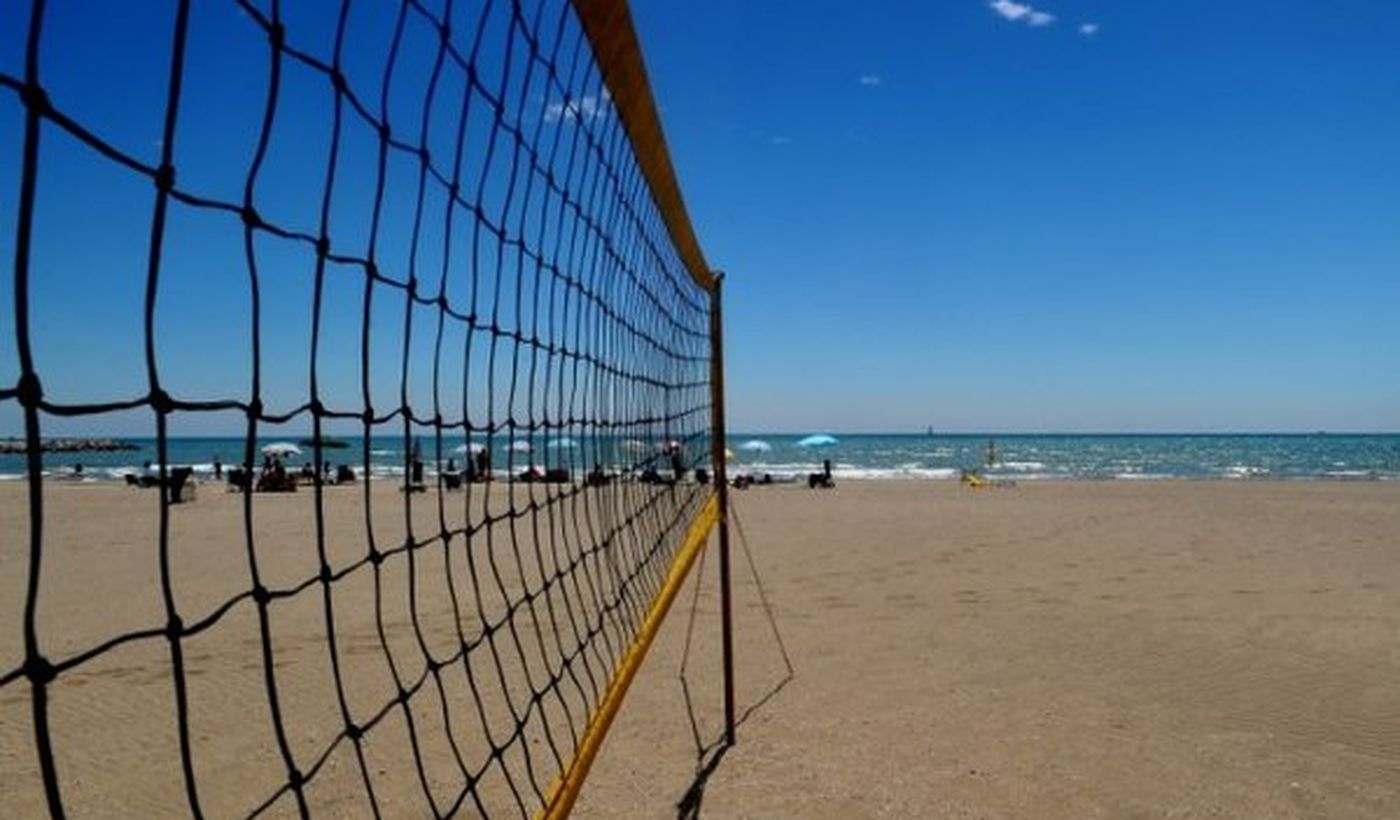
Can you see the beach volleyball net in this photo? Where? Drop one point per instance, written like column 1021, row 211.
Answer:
column 440, row 242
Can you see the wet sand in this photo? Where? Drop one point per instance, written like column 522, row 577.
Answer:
column 1053, row 650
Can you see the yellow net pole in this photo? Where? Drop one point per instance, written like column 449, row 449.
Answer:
column 565, row 789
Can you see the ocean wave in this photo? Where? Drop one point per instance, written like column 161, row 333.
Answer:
column 1244, row 471
column 903, row 472
column 1353, row 475
column 1022, row 466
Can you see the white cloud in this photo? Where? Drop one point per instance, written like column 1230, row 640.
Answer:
column 1089, row 29
column 587, row 107
column 871, row 80
column 1022, row 13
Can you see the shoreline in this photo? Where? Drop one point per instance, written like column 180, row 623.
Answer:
column 790, row 478
column 792, row 481
column 1021, row 457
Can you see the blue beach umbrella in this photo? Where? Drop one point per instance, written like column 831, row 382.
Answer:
column 756, row 446
column 820, row 440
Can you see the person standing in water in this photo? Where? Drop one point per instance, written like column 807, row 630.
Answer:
column 991, row 452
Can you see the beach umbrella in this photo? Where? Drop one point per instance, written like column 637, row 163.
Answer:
column 472, row 447
column 756, row 446
column 820, row 440
column 281, row 448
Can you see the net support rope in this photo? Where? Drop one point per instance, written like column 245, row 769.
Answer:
column 554, row 295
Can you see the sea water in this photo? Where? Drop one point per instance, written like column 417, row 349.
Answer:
column 1080, row 456
column 874, row 456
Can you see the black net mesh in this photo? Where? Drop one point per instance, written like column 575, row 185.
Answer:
column 418, row 227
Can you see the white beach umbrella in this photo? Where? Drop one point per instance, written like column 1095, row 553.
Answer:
column 281, row 448
column 819, row 440
column 756, row 446
column 472, row 447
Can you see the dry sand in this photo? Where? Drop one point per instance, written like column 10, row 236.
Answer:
column 1054, row 650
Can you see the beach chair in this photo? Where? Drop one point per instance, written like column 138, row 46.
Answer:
column 178, row 484
column 239, row 479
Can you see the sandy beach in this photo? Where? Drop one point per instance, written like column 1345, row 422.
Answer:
column 1049, row 650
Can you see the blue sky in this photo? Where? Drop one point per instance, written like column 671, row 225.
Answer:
column 1186, row 217
column 978, row 217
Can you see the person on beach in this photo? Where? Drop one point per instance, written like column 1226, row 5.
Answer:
column 991, row 452
column 677, row 462
column 218, row 468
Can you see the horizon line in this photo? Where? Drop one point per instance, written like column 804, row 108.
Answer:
column 806, row 432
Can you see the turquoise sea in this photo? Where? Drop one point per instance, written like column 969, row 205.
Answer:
column 1323, row 456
